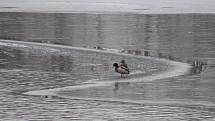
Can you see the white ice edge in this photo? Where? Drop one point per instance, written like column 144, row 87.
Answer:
column 177, row 68
column 24, row 44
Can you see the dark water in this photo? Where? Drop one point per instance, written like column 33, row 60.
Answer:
column 188, row 38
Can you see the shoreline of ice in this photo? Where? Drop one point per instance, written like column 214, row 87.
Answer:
column 176, row 69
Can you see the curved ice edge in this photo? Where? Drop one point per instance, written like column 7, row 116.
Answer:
column 177, row 68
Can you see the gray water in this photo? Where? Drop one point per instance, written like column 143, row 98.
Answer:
column 188, row 38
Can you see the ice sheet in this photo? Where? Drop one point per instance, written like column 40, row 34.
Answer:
column 179, row 69
column 175, row 69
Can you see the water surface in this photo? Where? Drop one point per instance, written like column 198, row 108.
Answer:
column 188, row 38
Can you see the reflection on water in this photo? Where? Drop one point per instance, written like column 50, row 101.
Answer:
column 187, row 38
column 198, row 66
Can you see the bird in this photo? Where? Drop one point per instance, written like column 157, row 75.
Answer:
column 122, row 68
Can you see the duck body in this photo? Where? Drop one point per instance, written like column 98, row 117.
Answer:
column 121, row 69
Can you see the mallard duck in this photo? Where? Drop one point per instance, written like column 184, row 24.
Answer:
column 122, row 68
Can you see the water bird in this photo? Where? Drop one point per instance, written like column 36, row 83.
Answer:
column 121, row 68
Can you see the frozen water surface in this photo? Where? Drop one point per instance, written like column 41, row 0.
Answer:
column 75, row 80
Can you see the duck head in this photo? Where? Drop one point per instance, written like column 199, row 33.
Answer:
column 115, row 65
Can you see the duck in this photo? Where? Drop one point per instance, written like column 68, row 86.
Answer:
column 121, row 68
